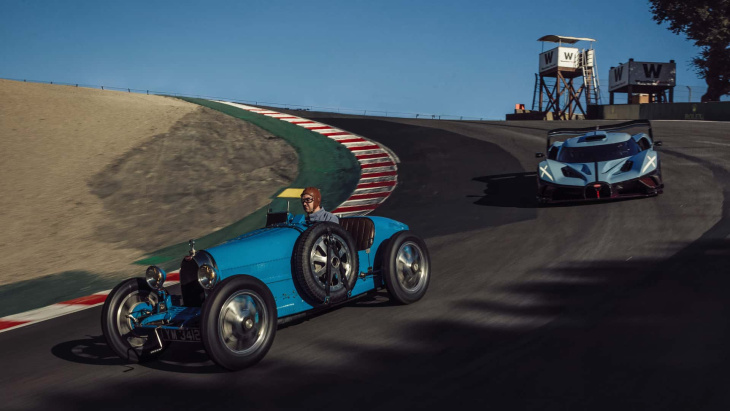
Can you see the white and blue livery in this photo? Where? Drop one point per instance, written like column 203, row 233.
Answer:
column 599, row 163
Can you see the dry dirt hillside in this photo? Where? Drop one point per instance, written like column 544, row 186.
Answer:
column 91, row 180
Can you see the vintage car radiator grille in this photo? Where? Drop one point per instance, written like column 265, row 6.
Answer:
column 192, row 293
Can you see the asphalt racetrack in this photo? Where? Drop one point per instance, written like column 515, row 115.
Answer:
column 605, row 306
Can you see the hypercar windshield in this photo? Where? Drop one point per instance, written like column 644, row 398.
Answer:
column 598, row 153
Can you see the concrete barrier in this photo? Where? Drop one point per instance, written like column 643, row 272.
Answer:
column 615, row 112
column 715, row 111
column 529, row 115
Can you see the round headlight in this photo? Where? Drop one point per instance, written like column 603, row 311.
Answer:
column 207, row 276
column 155, row 277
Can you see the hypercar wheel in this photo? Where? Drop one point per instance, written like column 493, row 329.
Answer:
column 238, row 322
column 310, row 263
column 124, row 304
column 406, row 267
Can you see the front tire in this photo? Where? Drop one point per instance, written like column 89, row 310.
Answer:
column 406, row 267
column 131, row 297
column 238, row 323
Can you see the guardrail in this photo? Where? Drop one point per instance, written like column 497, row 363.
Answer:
column 286, row 106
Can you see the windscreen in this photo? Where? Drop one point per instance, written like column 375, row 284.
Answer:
column 278, row 211
column 284, row 205
column 604, row 152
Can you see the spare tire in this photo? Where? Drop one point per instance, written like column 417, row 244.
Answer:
column 310, row 263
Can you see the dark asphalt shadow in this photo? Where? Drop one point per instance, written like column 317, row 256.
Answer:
column 509, row 190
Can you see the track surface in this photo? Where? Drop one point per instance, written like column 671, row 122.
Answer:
column 620, row 305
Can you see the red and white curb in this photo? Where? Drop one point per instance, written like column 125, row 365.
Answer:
column 378, row 179
column 378, row 164
column 67, row 307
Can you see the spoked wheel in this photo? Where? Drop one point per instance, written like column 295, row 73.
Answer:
column 311, row 261
column 406, row 268
column 341, row 261
column 238, row 324
column 126, row 303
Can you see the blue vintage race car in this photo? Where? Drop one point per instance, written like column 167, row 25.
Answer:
column 233, row 295
column 597, row 163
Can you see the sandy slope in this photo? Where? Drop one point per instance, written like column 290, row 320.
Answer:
column 92, row 179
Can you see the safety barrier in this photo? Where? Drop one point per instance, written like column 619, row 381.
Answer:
column 714, row 111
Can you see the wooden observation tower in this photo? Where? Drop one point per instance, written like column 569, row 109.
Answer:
column 561, row 97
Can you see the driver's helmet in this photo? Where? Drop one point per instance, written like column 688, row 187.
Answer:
column 316, row 196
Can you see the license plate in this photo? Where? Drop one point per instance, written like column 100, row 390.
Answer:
column 185, row 335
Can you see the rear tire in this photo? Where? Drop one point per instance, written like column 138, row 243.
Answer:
column 131, row 296
column 238, row 324
column 406, row 267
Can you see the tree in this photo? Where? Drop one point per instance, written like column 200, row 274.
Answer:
column 707, row 23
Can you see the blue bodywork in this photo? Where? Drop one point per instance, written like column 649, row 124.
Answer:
column 603, row 163
column 265, row 254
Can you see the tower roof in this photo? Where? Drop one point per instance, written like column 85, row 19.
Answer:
column 563, row 39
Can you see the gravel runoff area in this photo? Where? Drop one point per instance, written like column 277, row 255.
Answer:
column 92, row 180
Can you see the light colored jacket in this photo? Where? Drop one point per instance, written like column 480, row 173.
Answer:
column 322, row 216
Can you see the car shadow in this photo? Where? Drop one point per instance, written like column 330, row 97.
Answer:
column 509, row 190
column 379, row 298
column 188, row 358
column 590, row 203
column 518, row 190
column 90, row 350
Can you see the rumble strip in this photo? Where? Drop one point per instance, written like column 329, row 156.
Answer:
column 66, row 307
column 378, row 179
column 378, row 164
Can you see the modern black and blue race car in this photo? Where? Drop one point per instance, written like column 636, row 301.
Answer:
column 598, row 163
column 232, row 296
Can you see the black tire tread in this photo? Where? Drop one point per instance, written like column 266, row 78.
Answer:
column 304, row 277
column 108, row 327
column 209, row 322
column 391, row 282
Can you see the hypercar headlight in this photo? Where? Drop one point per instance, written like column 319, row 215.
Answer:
column 545, row 173
column 207, row 276
column 649, row 163
column 155, row 277
column 627, row 166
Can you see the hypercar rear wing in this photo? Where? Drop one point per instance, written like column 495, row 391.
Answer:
column 607, row 128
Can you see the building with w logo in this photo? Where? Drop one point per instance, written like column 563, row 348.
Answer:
column 561, row 97
column 641, row 77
